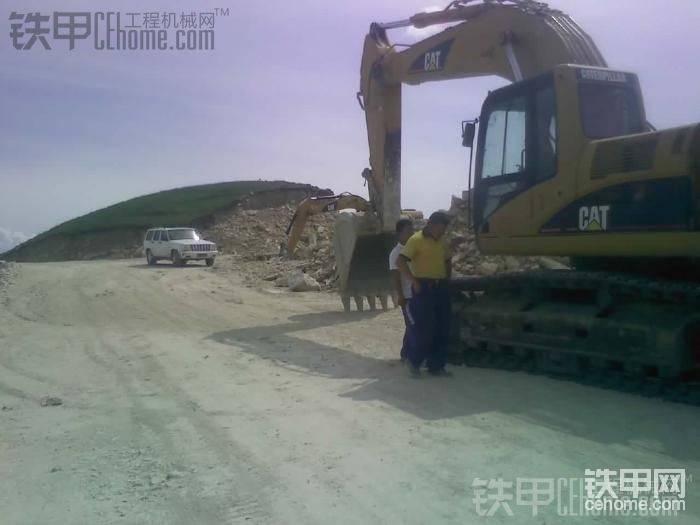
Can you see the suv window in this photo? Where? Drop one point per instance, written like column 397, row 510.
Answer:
column 156, row 235
column 163, row 235
column 184, row 233
column 149, row 236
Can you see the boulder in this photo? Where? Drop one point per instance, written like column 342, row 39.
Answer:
column 512, row 264
column 282, row 281
column 303, row 252
column 302, row 282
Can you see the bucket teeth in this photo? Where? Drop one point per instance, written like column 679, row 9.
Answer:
column 395, row 300
column 372, row 301
column 359, row 303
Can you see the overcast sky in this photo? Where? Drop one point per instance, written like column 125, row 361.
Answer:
column 83, row 129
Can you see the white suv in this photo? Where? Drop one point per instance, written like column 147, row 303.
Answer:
column 179, row 245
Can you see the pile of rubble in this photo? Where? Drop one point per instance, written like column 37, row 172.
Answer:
column 254, row 244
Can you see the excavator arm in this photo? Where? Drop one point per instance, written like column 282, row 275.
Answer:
column 321, row 204
column 512, row 39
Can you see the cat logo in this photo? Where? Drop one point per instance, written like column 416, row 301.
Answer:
column 593, row 218
column 431, row 61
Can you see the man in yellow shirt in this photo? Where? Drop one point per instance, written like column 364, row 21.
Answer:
column 425, row 261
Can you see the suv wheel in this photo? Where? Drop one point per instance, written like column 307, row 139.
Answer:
column 210, row 261
column 150, row 259
column 177, row 260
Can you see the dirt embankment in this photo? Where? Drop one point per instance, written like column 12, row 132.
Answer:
column 252, row 235
column 127, row 242
column 117, row 244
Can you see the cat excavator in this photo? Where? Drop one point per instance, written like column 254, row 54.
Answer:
column 566, row 164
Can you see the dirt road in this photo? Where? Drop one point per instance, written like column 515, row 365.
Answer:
column 188, row 397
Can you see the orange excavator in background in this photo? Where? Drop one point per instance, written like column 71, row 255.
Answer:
column 320, row 204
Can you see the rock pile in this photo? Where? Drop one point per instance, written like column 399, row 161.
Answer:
column 254, row 244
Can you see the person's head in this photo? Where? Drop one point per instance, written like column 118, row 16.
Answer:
column 404, row 230
column 437, row 224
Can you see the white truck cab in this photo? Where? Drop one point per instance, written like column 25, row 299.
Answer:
column 179, row 245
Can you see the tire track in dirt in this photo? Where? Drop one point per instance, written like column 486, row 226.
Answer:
column 237, row 491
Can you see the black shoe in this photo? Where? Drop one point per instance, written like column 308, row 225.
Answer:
column 413, row 370
column 440, row 372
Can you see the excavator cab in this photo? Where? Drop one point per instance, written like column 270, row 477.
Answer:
column 546, row 143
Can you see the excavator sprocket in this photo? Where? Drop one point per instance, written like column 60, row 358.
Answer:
column 630, row 333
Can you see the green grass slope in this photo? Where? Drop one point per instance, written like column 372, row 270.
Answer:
column 177, row 207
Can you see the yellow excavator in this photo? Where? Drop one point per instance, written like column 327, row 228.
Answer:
column 566, row 164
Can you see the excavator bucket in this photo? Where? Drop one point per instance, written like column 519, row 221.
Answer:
column 362, row 260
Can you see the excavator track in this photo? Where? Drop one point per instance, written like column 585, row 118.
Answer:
column 631, row 333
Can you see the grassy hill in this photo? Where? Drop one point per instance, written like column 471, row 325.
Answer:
column 118, row 227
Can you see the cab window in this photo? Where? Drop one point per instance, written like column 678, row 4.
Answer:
column 546, row 129
column 505, row 146
column 609, row 110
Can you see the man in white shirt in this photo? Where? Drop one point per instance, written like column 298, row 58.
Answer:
column 402, row 285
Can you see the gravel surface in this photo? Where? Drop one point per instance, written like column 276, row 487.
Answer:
column 136, row 394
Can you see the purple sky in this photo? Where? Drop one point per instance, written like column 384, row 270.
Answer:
column 276, row 100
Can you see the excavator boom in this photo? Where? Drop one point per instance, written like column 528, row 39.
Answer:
column 512, row 39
